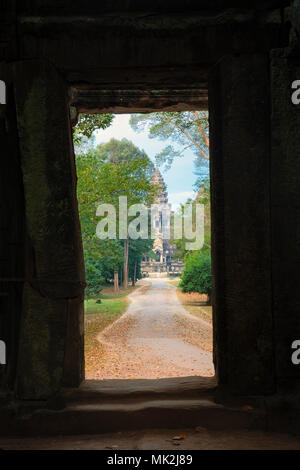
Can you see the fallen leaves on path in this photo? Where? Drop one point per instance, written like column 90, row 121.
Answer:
column 179, row 437
column 155, row 338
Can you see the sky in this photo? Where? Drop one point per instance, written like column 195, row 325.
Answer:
column 179, row 179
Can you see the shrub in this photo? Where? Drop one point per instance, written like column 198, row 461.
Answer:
column 94, row 279
column 93, row 288
column 196, row 276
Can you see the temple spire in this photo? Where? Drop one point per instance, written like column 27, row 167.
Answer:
column 157, row 180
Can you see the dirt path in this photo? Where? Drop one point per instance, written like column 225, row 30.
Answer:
column 155, row 338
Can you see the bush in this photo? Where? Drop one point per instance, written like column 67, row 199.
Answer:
column 196, row 276
column 93, row 288
column 94, row 279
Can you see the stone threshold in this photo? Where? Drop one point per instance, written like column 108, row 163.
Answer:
column 142, row 388
column 116, row 405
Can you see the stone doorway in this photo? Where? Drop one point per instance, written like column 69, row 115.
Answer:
column 231, row 368
column 193, row 355
column 140, row 57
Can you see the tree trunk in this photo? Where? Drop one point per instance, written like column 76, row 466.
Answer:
column 116, row 281
column 134, row 275
column 125, row 283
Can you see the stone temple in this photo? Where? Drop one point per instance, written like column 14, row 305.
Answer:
column 163, row 262
column 237, row 59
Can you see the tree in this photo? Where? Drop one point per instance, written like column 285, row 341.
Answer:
column 116, row 151
column 108, row 254
column 196, row 276
column 127, row 172
column 202, row 197
column 102, row 179
column 137, row 249
column 94, row 278
column 87, row 124
column 101, row 258
column 188, row 129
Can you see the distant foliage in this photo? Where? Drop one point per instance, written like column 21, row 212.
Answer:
column 89, row 123
column 197, row 273
column 202, row 197
column 94, row 278
column 114, row 169
column 188, row 130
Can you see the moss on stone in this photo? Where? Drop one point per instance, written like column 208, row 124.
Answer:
column 42, row 345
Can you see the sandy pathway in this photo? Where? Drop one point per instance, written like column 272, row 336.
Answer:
column 155, row 338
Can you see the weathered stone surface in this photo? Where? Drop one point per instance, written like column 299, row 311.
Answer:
column 57, row 7
column 85, row 39
column 12, row 233
column 106, row 48
column 125, row 415
column 240, row 160
column 54, row 260
column 93, row 100
column 174, row 387
column 285, row 212
column 85, row 44
column 42, row 345
column 52, row 221
column 294, row 15
column 74, row 350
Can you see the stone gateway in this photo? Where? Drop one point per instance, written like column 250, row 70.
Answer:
column 239, row 61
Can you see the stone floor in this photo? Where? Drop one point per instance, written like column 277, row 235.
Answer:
column 160, row 439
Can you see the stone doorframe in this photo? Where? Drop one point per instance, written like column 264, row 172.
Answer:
column 242, row 176
column 51, row 329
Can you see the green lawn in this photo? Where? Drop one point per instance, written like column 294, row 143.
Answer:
column 115, row 295
column 97, row 317
column 108, row 305
column 111, row 301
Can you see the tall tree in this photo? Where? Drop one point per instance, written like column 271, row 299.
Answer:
column 137, row 249
column 188, row 129
column 131, row 167
column 87, row 124
column 202, row 197
column 106, row 255
column 102, row 179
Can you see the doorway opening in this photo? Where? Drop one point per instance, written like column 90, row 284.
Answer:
column 148, row 311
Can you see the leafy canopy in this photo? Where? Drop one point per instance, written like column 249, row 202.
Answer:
column 197, row 273
column 87, row 124
column 117, row 168
column 189, row 130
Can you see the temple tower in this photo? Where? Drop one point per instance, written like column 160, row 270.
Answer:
column 160, row 245
column 162, row 248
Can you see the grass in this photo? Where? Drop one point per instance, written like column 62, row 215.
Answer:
column 108, row 306
column 174, row 282
column 99, row 316
column 196, row 304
